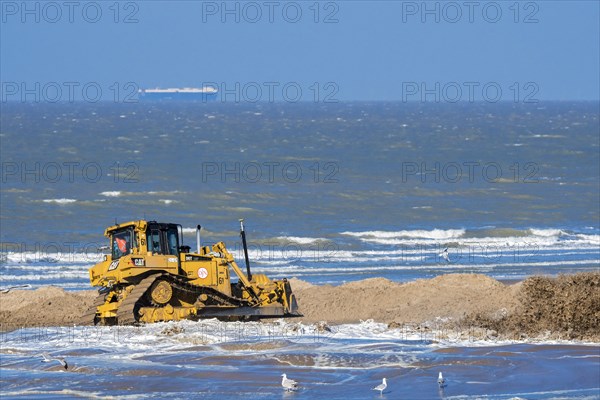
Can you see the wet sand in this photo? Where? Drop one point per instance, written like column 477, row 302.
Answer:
column 567, row 307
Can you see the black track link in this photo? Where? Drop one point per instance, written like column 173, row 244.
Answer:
column 126, row 314
column 217, row 297
column 89, row 316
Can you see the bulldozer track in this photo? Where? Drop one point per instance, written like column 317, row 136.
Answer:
column 126, row 314
column 218, row 297
column 89, row 315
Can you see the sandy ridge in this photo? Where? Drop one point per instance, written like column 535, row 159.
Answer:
column 568, row 305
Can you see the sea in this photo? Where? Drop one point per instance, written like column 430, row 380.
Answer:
column 330, row 193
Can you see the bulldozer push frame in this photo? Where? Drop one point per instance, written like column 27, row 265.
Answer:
column 150, row 276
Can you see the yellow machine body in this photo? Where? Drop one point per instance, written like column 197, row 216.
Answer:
column 149, row 276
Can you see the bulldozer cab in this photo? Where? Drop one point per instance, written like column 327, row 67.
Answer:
column 148, row 244
column 152, row 238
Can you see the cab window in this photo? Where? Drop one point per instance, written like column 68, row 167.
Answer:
column 154, row 241
column 172, row 241
column 121, row 244
column 163, row 239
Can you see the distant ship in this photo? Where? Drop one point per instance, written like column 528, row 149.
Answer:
column 205, row 93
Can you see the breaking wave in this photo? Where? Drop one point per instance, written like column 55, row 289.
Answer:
column 59, row 201
column 414, row 234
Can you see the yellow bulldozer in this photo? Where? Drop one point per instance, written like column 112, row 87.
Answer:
column 150, row 276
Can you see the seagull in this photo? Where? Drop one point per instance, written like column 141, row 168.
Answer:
column 8, row 289
column 441, row 381
column 46, row 358
column 381, row 387
column 444, row 255
column 288, row 384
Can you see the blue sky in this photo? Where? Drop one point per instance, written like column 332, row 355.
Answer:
column 376, row 50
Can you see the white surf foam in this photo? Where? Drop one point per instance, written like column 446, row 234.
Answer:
column 545, row 240
column 111, row 194
column 45, row 276
column 51, row 258
column 301, row 270
column 300, row 240
column 547, row 232
column 539, row 236
column 408, row 234
column 59, row 201
column 117, row 193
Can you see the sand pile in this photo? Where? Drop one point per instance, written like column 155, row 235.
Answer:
column 46, row 306
column 568, row 305
column 447, row 296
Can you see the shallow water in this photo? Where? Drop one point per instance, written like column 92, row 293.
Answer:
column 217, row 360
column 349, row 256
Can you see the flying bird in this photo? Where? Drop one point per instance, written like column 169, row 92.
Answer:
column 444, row 255
column 381, row 387
column 288, row 384
column 46, row 358
column 8, row 289
column 441, row 380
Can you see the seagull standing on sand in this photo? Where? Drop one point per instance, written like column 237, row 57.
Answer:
column 46, row 358
column 441, row 381
column 288, row 384
column 381, row 387
column 8, row 289
column 444, row 255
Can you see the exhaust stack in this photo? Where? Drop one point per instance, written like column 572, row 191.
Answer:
column 198, row 245
column 243, row 234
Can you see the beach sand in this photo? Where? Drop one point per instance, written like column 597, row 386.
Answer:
column 567, row 306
